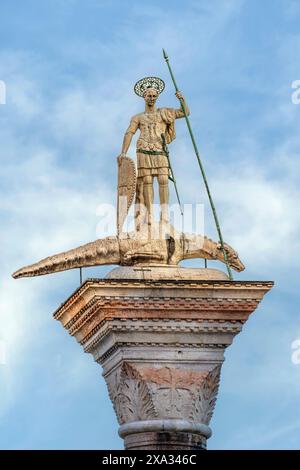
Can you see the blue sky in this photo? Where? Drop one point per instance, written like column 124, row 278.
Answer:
column 69, row 68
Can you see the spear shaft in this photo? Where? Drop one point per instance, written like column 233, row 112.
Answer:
column 201, row 169
column 172, row 178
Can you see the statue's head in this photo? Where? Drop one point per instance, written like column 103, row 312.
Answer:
column 150, row 96
column 149, row 88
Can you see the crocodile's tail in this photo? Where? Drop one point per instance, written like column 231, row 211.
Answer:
column 99, row 252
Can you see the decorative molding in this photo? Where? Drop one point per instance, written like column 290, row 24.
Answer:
column 146, row 326
column 90, row 284
column 90, row 318
column 141, row 345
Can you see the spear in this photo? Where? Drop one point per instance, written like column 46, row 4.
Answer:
column 213, row 208
column 171, row 177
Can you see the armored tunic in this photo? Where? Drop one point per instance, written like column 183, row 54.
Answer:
column 151, row 158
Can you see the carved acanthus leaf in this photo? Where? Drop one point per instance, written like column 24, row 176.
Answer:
column 131, row 396
column 206, row 397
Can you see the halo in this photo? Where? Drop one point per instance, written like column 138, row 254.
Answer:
column 149, row 82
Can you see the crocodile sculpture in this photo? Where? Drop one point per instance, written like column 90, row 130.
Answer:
column 131, row 249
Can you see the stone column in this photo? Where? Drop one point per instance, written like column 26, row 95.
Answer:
column 160, row 336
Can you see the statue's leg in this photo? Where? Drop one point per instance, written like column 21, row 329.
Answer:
column 139, row 209
column 163, row 197
column 148, row 197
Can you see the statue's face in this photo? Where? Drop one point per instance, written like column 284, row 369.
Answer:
column 150, row 96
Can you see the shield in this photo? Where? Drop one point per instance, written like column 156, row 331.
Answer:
column 126, row 189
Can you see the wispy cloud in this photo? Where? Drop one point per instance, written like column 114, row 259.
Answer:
column 69, row 100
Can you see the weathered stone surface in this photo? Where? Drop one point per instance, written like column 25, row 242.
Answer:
column 154, row 273
column 161, row 343
column 165, row 441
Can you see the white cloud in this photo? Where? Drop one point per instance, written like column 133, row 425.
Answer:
column 260, row 216
column 257, row 203
column 59, row 146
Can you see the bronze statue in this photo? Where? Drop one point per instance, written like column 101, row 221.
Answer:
column 141, row 247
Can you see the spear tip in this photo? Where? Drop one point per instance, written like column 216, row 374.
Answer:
column 165, row 54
